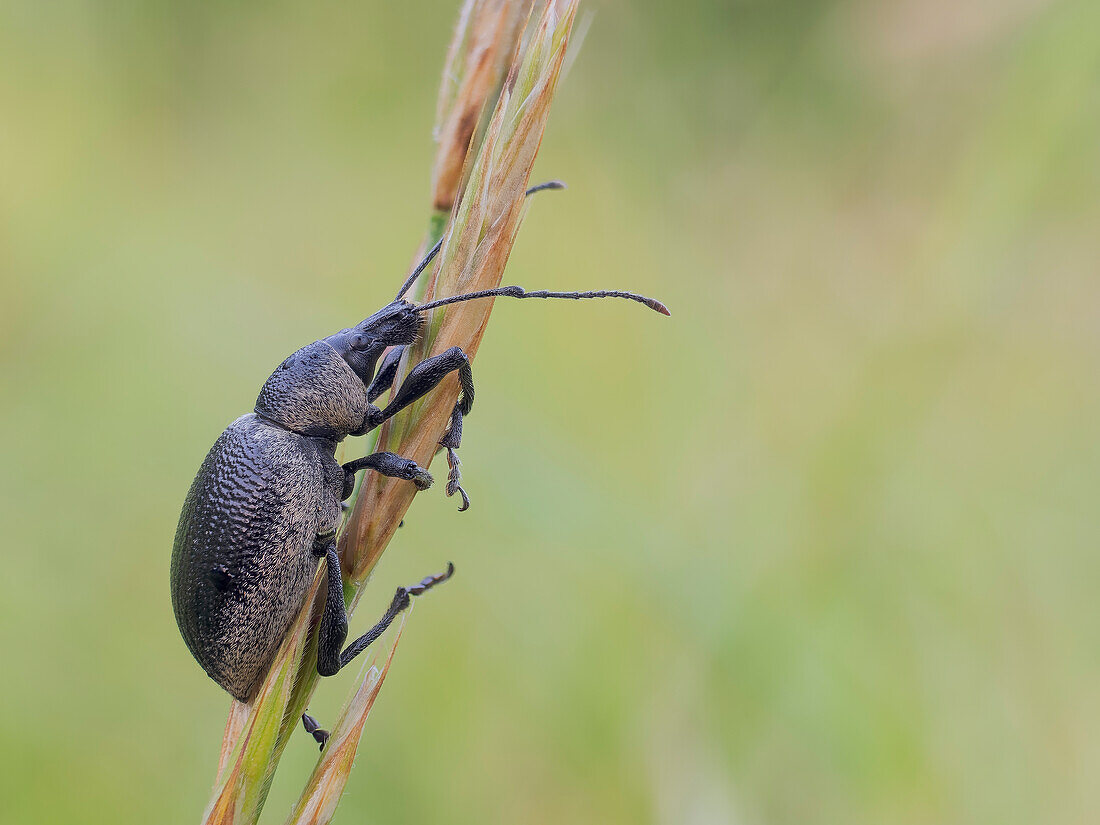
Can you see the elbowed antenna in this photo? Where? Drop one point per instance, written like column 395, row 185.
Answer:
column 520, row 292
column 420, row 267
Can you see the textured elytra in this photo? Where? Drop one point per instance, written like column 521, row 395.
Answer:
column 242, row 561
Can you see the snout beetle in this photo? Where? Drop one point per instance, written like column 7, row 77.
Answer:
column 266, row 502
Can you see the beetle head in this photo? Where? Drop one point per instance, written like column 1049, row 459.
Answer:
column 362, row 345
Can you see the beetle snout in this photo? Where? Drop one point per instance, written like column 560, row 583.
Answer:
column 399, row 323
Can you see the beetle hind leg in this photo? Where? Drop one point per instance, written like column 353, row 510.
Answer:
column 401, row 600
column 314, row 729
column 334, row 619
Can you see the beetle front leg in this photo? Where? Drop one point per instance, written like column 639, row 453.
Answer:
column 387, row 371
column 423, row 378
column 450, row 441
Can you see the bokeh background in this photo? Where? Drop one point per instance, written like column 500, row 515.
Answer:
column 822, row 547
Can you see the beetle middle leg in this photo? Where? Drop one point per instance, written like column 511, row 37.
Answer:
column 421, row 380
column 388, row 464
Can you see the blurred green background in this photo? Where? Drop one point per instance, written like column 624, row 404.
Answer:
column 822, row 547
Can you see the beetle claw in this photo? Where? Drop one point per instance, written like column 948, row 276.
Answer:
column 465, row 499
column 453, row 478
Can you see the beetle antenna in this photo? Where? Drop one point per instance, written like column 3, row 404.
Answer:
column 419, row 268
column 542, row 187
column 520, row 292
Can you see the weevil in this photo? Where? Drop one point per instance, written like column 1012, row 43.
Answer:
column 266, row 503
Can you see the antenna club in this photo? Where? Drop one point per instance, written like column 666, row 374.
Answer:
column 654, row 304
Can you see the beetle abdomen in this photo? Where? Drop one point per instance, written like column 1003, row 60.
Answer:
column 241, row 562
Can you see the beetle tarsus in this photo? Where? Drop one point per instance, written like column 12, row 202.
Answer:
column 428, row 582
column 450, row 441
column 314, row 729
column 453, row 478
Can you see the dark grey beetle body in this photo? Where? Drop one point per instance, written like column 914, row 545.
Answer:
column 242, row 560
column 266, row 503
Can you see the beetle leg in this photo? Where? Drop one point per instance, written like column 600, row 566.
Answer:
column 450, row 442
column 388, row 464
column 314, row 729
column 401, row 599
column 334, row 620
column 387, row 371
column 424, row 377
